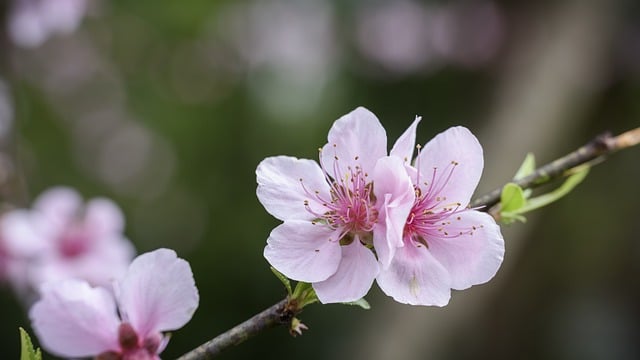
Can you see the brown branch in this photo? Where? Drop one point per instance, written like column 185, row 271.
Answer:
column 598, row 148
column 279, row 314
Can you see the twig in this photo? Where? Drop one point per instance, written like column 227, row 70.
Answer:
column 600, row 147
column 279, row 314
column 283, row 312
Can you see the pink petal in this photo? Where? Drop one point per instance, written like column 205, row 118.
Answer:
column 394, row 187
column 356, row 139
column 72, row 319
column 354, row 277
column 158, row 293
column 25, row 233
column 303, row 251
column 406, row 143
column 103, row 263
column 282, row 193
column 103, row 217
column 473, row 258
column 60, row 204
column 455, row 144
column 415, row 277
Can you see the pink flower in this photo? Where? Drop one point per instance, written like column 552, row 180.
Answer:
column 335, row 211
column 12, row 269
column 157, row 294
column 445, row 244
column 63, row 238
column 31, row 22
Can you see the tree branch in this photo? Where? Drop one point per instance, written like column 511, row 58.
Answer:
column 283, row 312
column 279, row 314
column 598, row 148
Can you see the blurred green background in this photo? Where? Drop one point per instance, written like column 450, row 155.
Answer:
column 168, row 107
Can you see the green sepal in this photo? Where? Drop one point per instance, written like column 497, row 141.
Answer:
column 283, row 279
column 362, row 303
column 304, row 294
column 28, row 352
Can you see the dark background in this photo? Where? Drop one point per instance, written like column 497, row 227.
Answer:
column 167, row 108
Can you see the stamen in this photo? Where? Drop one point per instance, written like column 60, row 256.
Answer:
column 431, row 215
column 350, row 208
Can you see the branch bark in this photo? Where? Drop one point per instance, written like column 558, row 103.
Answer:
column 598, row 148
column 279, row 314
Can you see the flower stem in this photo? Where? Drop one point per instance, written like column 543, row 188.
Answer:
column 594, row 151
column 279, row 314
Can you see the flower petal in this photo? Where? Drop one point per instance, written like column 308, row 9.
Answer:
column 103, row 217
column 471, row 258
column 415, row 277
column 25, row 233
column 354, row 277
column 393, row 184
column 282, row 193
column 100, row 265
column 59, row 204
column 303, row 251
column 356, row 139
column 406, row 143
column 158, row 292
column 72, row 319
column 456, row 144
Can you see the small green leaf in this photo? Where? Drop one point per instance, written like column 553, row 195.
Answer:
column 512, row 198
column 508, row 218
column 304, row 294
column 28, row 352
column 283, row 279
column 566, row 187
column 527, row 168
column 362, row 303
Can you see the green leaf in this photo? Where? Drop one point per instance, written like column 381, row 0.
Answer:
column 512, row 198
column 509, row 217
column 527, row 168
column 362, row 303
column 28, row 352
column 304, row 294
column 283, row 279
column 566, row 187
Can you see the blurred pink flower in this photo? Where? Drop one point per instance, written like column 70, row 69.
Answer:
column 446, row 245
column 63, row 238
column 12, row 269
column 332, row 212
column 32, row 22
column 157, row 294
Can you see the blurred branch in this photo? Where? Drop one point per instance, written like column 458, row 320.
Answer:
column 279, row 314
column 598, row 148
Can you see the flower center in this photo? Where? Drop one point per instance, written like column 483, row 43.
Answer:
column 433, row 215
column 350, row 207
column 73, row 242
column 130, row 346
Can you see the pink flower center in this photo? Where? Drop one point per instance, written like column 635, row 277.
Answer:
column 350, row 208
column 433, row 215
column 74, row 241
column 131, row 348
